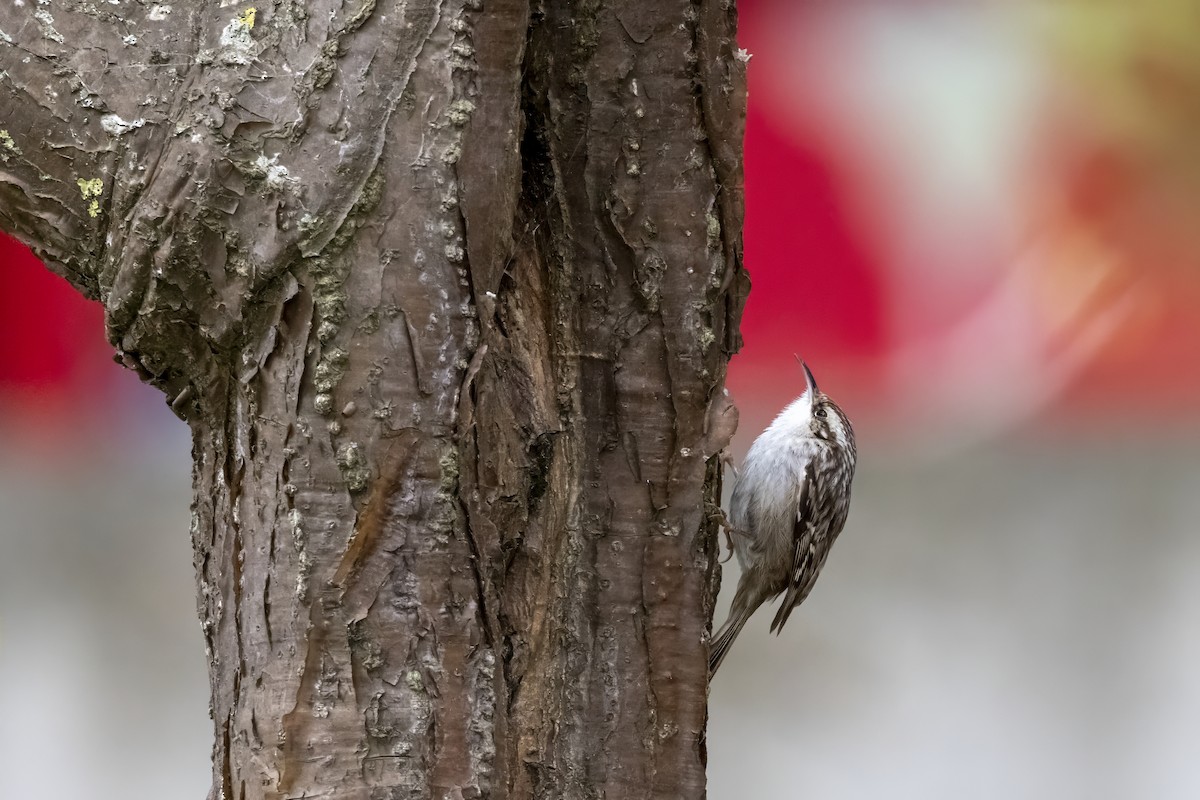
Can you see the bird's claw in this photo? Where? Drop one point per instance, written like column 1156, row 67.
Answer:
column 718, row 514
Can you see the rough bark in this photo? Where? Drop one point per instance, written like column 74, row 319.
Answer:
column 445, row 291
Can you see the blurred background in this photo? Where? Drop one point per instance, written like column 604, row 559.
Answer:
column 976, row 221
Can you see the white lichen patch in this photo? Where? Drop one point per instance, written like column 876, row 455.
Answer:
column 743, row 55
column 158, row 13
column 326, row 331
column 4, row 37
column 274, row 174
column 299, row 539
column 46, row 23
column 237, row 45
column 308, row 223
column 353, row 466
column 459, row 112
column 91, row 191
column 113, row 125
column 129, row 40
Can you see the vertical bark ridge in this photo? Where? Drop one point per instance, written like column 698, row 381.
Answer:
column 445, row 290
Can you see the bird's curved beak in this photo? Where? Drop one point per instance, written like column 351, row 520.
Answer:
column 809, row 380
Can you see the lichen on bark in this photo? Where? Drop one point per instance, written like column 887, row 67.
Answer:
column 445, row 293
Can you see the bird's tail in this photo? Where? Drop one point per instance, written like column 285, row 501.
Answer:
column 792, row 599
column 724, row 640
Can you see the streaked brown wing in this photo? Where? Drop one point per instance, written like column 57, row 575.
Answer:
column 803, row 549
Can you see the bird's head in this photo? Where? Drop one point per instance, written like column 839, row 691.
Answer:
column 825, row 420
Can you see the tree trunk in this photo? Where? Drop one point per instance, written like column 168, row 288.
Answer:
column 445, row 291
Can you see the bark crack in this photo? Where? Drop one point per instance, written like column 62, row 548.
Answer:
column 416, row 272
column 480, row 559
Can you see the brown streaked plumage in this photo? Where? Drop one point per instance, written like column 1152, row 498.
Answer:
column 789, row 504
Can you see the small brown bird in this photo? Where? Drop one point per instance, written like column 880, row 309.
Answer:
column 789, row 504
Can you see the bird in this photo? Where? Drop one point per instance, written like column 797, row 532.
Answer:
column 789, row 503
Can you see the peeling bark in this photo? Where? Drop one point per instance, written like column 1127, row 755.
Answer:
column 445, row 292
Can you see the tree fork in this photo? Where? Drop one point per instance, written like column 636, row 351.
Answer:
column 445, row 292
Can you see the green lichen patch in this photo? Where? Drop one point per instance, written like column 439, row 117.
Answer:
column 91, row 189
column 712, row 230
column 331, row 369
column 329, row 294
column 7, row 145
column 329, row 271
column 448, row 464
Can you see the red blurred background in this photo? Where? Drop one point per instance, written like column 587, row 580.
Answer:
column 976, row 221
column 55, row 362
column 943, row 216
column 942, row 210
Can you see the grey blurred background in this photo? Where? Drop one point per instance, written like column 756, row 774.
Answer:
column 977, row 223
column 102, row 666
column 1015, row 619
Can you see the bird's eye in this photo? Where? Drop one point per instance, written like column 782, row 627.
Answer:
column 821, row 412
